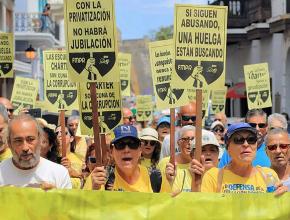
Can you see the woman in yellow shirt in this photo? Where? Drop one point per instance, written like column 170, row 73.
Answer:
column 240, row 176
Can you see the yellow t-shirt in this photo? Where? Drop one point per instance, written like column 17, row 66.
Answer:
column 182, row 181
column 232, row 183
column 143, row 183
column 146, row 162
column 5, row 154
column 76, row 164
column 81, row 147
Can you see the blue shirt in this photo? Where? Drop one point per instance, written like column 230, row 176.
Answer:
column 261, row 158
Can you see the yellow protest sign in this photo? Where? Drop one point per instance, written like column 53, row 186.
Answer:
column 144, row 107
column 43, row 105
column 96, row 204
column 200, row 34
column 91, row 40
column 161, row 59
column 124, row 60
column 6, row 55
column 24, row 93
column 109, row 107
column 59, row 91
column 205, row 98
column 218, row 100
column 258, row 85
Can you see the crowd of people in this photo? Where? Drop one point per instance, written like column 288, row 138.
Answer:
column 248, row 156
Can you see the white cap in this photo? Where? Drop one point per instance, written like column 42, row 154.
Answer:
column 208, row 138
column 149, row 134
column 216, row 123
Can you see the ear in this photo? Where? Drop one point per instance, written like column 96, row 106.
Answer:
column 71, row 139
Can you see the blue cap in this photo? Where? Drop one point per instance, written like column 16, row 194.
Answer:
column 234, row 128
column 123, row 131
column 163, row 119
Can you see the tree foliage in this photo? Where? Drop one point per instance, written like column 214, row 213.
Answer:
column 164, row 33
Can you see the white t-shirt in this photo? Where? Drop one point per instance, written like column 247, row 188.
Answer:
column 46, row 171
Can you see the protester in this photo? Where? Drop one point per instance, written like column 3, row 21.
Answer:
column 49, row 145
column 256, row 118
column 278, row 144
column 73, row 123
column 26, row 167
column 220, row 116
column 71, row 161
column 5, row 152
column 240, row 176
column 128, row 117
column 218, row 129
column 187, row 116
column 277, row 120
column 8, row 105
column 151, row 147
column 128, row 175
column 163, row 127
column 45, row 16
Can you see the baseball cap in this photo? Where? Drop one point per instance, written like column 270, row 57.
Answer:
column 234, row 128
column 216, row 123
column 123, row 131
column 208, row 138
column 149, row 134
column 164, row 119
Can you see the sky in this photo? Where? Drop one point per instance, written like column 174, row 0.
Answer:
column 137, row 18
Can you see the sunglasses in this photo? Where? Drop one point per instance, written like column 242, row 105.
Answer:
column 151, row 143
column 59, row 132
column 275, row 146
column 121, row 145
column 187, row 139
column 187, row 118
column 260, row 125
column 164, row 125
column 10, row 110
column 241, row 140
column 219, row 130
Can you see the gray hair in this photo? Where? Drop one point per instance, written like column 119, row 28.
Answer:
column 255, row 112
column 185, row 129
column 73, row 117
column 277, row 117
column 275, row 131
column 3, row 113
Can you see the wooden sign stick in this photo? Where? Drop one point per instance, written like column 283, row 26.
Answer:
column 195, row 185
column 172, row 136
column 96, row 129
column 63, row 135
column 104, row 149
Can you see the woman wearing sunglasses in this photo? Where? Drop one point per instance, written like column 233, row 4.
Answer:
column 240, row 176
column 278, row 144
column 128, row 174
column 151, row 147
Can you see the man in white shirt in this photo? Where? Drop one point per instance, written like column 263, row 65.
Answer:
column 26, row 167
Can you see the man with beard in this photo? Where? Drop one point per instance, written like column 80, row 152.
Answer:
column 256, row 118
column 278, row 144
column 4, row 150
column 26, row 168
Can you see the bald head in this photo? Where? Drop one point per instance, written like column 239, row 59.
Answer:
column 220, row 116
column 188, row 114
column 8, row 105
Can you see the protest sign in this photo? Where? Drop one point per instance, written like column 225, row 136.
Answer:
column 108, row 103
column 200, row 34
column 218, row 100
column 205, row 98
column 6, row 55
column 161, row 59
column 258, row 85
column 124, row 60
column 144, row 107
column 24, row 93
column 91, row 40
column 59, row 91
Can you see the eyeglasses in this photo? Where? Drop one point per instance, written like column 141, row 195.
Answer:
column 59, row 132
column 187, row 118
column 241, row 140
column 187, row 139
column 10, row 110
column 152, row 143
column 260, row 125
column 218, row 130
column 275, row 146
column 121, row 145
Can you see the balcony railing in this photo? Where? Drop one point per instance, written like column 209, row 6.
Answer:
column 36, row 23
